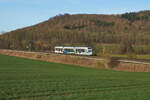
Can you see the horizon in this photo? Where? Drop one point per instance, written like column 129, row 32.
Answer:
column 16, row 14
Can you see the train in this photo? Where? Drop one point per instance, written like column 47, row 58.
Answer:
column 73, row 50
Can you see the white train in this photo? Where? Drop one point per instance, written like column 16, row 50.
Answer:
column 74, row 50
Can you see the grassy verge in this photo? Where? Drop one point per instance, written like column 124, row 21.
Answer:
column 137, row 56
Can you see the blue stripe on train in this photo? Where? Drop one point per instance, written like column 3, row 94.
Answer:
column 68, row 52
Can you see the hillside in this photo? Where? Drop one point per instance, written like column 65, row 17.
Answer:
column 83, row 30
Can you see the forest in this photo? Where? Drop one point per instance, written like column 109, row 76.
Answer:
column 115, row 34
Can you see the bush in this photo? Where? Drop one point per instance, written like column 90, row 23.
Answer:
column 104, row 23
column 130, row 16
column 131, row 55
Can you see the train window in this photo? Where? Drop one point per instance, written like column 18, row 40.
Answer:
column 80, row 50
column 90, row 50
column 59, row 49
column 69, row 50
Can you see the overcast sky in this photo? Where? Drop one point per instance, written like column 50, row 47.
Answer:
column 16, row 14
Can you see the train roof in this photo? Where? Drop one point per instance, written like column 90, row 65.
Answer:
column 72, row 47
column 58, row 46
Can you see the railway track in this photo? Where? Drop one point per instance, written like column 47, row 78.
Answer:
column 124, row 60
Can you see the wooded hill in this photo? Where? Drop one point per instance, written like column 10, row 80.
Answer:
column 129, row 32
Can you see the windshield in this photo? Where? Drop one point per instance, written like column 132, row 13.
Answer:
column 90, row 50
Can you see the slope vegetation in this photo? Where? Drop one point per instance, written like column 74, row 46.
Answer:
column 84, row 30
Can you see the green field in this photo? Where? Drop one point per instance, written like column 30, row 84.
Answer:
column 146, row 57
column 23, row 79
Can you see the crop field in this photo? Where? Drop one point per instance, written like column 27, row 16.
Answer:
column 24, row 79
column 146, row 56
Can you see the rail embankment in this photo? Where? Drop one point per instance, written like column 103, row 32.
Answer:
column 90, row 62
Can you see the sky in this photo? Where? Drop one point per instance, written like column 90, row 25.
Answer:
column 15, row 14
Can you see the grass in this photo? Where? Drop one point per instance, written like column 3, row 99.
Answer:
column 24, row 79
column 136, row 56
column 143, row 57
